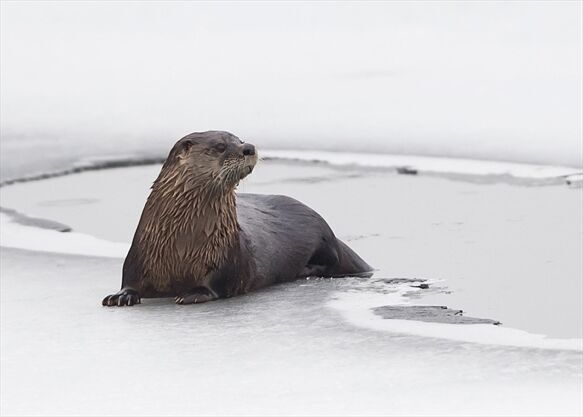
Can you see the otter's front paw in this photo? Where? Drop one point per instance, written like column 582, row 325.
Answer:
column 196, row 296
column 124, row 297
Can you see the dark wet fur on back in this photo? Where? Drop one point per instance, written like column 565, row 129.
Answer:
column 306, row 246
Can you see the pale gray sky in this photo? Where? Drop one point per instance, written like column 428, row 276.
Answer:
column 476, row 79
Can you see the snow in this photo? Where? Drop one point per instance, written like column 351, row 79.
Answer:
column 308, row 347
column 426, row 164
column 31, row 238
column 482, row 100
column 509, row 223
column 356, row 307
column 281, row 351
column 498, row 81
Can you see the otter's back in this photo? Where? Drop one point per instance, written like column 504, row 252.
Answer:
column 277, row 218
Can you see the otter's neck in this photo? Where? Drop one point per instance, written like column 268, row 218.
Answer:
column 189, row 225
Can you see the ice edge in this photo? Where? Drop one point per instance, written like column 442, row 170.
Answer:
column 428, row 164
column 406, row 164
column 357, row 309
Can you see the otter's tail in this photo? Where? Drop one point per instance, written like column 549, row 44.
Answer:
column 350, row 264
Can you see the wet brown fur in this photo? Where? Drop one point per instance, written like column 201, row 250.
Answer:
column 193, row 242
column 190, row 219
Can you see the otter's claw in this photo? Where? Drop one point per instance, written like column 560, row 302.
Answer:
column 200, row 295
column 125, row 297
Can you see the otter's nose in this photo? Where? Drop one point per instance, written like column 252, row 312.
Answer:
column 248, row 149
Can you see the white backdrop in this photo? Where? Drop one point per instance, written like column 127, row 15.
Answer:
column 484, row 80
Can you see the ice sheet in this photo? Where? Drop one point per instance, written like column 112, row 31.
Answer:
column 15, row 235
column 357, row 307
column 313, row 346
column 281, row 351
column 426, row 164
column 487, row 247
column 477, row 80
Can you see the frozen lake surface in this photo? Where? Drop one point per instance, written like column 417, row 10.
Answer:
column 504, row 251
column 348, row 95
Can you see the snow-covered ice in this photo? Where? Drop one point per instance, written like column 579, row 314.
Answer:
column 427, row 164
column 313, row 346
column 339, row 99
column 483, row 80
column 279, row 351
column 16, row 235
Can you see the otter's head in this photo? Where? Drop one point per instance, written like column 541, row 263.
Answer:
column 217, row 159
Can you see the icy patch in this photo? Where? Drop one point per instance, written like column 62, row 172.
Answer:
column 403, row 164
column 575, row 180
column 432, row 314
column 358, row 308
column 15, row 235
column 426, row 164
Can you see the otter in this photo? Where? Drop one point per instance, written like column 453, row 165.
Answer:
column 197, row 240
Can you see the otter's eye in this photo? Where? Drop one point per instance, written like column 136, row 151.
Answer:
column 220, row 147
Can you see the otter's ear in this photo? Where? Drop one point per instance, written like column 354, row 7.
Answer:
column 186, row 146
column 183, row 148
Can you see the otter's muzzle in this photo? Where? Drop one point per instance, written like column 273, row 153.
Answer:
column 250, row 156
column 248, row 149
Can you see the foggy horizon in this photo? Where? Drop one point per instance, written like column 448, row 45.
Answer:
column 473, row 80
